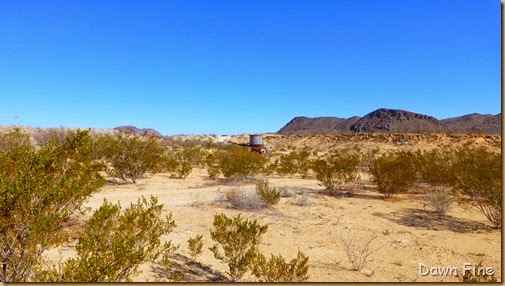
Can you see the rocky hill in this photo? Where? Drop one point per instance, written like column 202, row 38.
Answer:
column 394, row 121
column 135, row 130
column 318, row 125
column 474, row 123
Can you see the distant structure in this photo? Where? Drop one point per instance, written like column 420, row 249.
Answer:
column 255, row 143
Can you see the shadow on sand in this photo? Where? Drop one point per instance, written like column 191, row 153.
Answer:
column 422, row 219
column 193, row 271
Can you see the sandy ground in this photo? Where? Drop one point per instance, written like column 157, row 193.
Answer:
column 408, row 232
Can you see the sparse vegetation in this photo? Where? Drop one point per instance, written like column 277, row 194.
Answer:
column 43, row 189
column 269, row 195
column 359, row 247
column 304, row 200
column 39, row 192
column 276, row 269
column 130, row 156
column 239, row 163
column 394, row 172
column 293, row 163
column 212, row 166
column 440, row 200
column 195, row 245
column 112, row 245
column 338, row 172
column 244, row 200
column 42, row 136
column 15, row 140
column 478, row 174
column 178, row 164
column 239, row 239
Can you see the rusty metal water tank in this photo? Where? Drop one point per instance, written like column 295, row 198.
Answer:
column 255, row 141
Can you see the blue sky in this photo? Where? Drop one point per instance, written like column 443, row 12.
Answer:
column 230, row 67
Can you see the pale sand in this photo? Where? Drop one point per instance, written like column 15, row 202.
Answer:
column 404, row 229
column 408, row 232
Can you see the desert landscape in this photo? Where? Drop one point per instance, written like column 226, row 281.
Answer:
column 251, row 141
column 410, row 238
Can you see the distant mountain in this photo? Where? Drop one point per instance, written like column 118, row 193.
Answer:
column 306, row 125
column 396, row 121
column 474, row 123
column 135, row 130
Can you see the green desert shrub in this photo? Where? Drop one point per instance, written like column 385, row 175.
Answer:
column 239, row 240
column 269, row 195
column 337, row 172
column 434, row 167
column 112, row 244
column 39, row 192
column 477, row 178
column 15, row 140
column 178, row 164
column 276, row 269
column 130, row 156
column 195, row 245
column 394, row 172
column 212, row 166
column 239, row 163
column 293, row 163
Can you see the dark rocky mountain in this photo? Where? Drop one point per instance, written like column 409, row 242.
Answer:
column 474, row 123
column 135, row 130
column 318, row 125
column 395, row 121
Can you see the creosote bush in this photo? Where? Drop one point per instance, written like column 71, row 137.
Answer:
column 130, row 156
column 212, row 166
column 239, row 240
column 276, row 269
column 40, row 191
column 14, row 140
column 394, row 172
column 269, row 195
column 195, row 245
column 112, row 244
column 239, row 163
column 434, row 167
column 181, row 161
column 177, row 165
column 337, row 172
column 293, row 163
column 477, row 177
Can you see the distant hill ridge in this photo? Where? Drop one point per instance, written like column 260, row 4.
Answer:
column 395, row 120
column 135, row 130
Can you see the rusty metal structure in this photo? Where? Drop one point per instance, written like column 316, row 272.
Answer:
column 255, row 143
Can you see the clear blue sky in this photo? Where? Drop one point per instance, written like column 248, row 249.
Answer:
column 229, row 67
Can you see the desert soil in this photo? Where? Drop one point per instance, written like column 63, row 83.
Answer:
column 408, row 233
